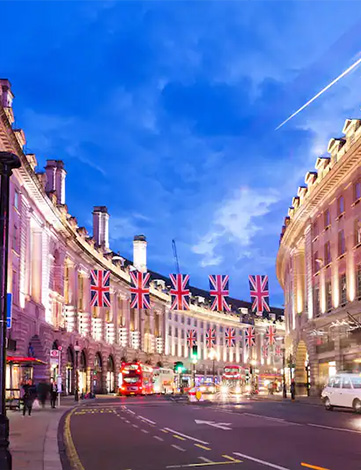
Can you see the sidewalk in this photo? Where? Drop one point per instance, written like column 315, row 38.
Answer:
column 34, row 439
column 299, row 399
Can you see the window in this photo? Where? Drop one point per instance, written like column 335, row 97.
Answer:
column 317, row 301
column 340, row 206
column 327, row 253
column 357, row 232
column 175, row 317
column 195, row 322
column 315, row 229
column 182, row 319
column 170, row 331
column 169, row 315
column 342, row 287
column 337, row 382
column 327, row 218
column 358, row 281
column 328, row 296
column 357, row 191
column 316, row 262
column 176, row 333
column 341, row 243
column 356, row 382
column 16, row 199
column 182, row 334
column 346, row 383
column 221, row 329
column 15, row 238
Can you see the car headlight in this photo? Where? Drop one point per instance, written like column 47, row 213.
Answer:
column 224, row 389
column 238, row 390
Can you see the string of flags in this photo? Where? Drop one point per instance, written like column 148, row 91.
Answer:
column 180, row 292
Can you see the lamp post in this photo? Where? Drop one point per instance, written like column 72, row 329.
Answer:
column 8, row 161
column 284, row 388
column 76, row 349
column 213, row 356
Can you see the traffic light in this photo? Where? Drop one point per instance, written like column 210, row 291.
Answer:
column 194, row 354
column 178, row 367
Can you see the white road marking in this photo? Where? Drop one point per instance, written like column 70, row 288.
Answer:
column 145, row 431
column 147, row 420
column 205, row 459
column 178, row 448
column 333, row 429
column 224, row 426
column 135, row 426
column 158, row 438
column 271, row 418
column 263, row 462
column 130, row 411
column 186, row 436
column 127, row 421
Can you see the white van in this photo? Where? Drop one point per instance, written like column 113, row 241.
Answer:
column 343, row 390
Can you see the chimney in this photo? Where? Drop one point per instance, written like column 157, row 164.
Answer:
column 140, row 253
column 101, row 226
column 55, row 179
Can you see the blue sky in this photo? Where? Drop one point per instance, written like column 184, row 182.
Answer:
column 165, row 112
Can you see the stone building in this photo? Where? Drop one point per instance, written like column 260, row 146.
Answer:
column 50, row 259
column 319, row 264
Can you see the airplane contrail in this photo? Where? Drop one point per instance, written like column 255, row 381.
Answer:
column 320, row 92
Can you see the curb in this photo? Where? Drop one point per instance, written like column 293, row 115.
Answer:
column 51, row 456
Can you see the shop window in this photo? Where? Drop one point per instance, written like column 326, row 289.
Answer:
column 340, row 206
column 328, row 296
column 327, row 218
column 343, row 289
column 341, row 243
column 327, row 253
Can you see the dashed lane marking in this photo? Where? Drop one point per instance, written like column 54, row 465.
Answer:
column 147, row 420
column 130, row 411
column 333, row 429
column 145, row 431
column 263, row 462
column 135, row 426
column 202, row 447
column 179, row 437
column 314, row 467
column 185, row 435
column 230, row 458
column 205, row 459
column 205, row 464
column 178, row 448
column 158, row 438
column 165, row 431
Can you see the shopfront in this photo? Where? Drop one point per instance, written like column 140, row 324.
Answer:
column 110, row 375
column 83, row 388
column 97, row 374
column 69, row 371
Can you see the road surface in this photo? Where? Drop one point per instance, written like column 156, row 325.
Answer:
column 157, row 433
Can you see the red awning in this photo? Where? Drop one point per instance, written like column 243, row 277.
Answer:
column 24, row 360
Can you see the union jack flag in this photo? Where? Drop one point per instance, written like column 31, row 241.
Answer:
column 265, row 350
column 230, row 335
column 192, row 337
column 219, row 289
column 271, row 335
column 99, row 288
column 210, row 337
column 259, row 292
column 250, row 337
column 278, row 350
column 140, row 291
column 180, row 292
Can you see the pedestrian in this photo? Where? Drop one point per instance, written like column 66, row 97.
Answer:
column 43, row 390
column 28, row 397
column 293, row 389
column 53, row 393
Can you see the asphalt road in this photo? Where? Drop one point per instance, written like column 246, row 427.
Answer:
column 156, row 433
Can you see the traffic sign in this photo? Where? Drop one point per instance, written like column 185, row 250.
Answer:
column 9, row 310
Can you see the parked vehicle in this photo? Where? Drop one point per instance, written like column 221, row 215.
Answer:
column 343, row 390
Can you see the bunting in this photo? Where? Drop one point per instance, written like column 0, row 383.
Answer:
column 219, row 289
column 99, row 288
column 210, row 337
column 180, row 292
column 140, row 290
column 259, row 293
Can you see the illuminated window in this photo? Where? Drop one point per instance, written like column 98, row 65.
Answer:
column 340, row 206
column 327, row 253
column 80, row 292
column 341, row 243
column 357, row 190
column 343, row 289
column 66, row 284
column 327, row 218
column 328, row 296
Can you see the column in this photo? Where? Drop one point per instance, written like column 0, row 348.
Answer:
column 25, row 238
column 45, row 278
column 309, row 272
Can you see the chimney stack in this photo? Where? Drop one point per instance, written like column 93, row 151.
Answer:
column 140, row 253
column 6, row 98
column 55, row 179
column 101, row 226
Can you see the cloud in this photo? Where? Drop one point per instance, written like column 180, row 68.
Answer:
column 235, row 221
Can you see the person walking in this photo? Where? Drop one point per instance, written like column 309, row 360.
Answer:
column 43, row 390
column 53, row 393
column 293, row 389
column 28, row 397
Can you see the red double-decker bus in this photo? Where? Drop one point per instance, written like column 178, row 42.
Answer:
column 234, row 379
column 137, row 379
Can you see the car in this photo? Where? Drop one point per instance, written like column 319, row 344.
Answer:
column 343, row 390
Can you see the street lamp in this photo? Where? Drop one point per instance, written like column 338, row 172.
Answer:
column 76, row 349
column 8, row 161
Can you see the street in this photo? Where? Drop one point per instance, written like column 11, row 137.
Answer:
column 155, row 433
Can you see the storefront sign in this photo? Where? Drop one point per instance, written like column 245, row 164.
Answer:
column 54, row 356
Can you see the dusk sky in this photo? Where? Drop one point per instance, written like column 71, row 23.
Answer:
column 166, row 113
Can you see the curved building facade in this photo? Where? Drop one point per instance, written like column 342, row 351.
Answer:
column 319, row 265
column 50, row 259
